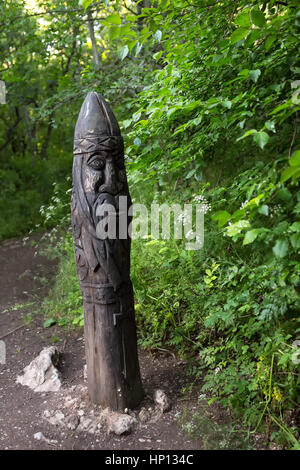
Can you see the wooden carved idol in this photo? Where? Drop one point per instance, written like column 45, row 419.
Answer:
column 103, row 257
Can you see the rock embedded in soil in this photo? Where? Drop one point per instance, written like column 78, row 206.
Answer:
column 119, row 423
column 39, row 436
column 75, row 412
column 41, row 375
column 161, row 399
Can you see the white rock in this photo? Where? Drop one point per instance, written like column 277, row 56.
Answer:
column 70, row 403
column 59, row 416
column 39, row 436
column 84, row 424
column 57, row 419
column 119, row 423
column 162, row 400
column 41, row 375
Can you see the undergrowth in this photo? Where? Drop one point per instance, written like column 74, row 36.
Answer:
column 230, row 308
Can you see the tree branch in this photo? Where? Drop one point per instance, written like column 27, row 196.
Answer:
column 93, row 39
column 129, row 9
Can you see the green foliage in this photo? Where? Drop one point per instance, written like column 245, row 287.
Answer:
column 214, row 434
column 222, row 108
column 64, row 302
column 207, row 94
column 26, row 188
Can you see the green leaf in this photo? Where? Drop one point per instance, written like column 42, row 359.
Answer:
column 270, row 125
column 227, row 104
column 261, row 138
column 197, row 120
column 123, row 52
column 126, row 123
column 254, row 35
column 237, row 227
column 284, row 194
column 295, row 159
column 138, row 48
column 131, row 44
column 113, row 19
column 250, row 132
column 49, row 322
column 295, row 241
column 114, row 32
column 238, row 214
column 157, row 55
column 264, row 210
column 243, row 19
column 238, row 35
column 244, row 73
column 289, row 172
column 254, row 75
column 221, row 217
column 85, row 3
column 269, row 41
column 250, row 236
column 295, row 227
column 123, row 30
column 258, row 18
column 254, row 201
column 280, row 248
column 136, row 116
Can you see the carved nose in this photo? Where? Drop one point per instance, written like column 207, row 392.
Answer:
column 110, row 175
column 110, row 184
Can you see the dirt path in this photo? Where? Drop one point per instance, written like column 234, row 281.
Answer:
column 21, row 410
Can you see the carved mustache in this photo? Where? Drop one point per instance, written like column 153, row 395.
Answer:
column 113, row 188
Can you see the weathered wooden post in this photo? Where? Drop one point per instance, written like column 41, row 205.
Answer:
column 103, row 264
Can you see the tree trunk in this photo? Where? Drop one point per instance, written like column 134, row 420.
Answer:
column 103, row 263
column 29, row 133
column 46, row 140
column 93, row 39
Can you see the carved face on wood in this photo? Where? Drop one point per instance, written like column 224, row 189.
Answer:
column 104, row 172
column 99, row 144
column 99, row 177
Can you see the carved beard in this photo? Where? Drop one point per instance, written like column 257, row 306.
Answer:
column 104, row 199
column 110, row 255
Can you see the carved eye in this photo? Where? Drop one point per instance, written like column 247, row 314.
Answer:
column 97, row 164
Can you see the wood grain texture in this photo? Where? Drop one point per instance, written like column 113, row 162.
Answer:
column 103, row 265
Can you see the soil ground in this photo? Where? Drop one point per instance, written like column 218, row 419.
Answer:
column 22, row 410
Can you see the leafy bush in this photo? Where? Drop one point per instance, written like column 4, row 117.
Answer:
column 216, row 116
column 64, row 302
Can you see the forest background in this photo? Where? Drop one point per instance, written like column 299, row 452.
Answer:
column 207, row 94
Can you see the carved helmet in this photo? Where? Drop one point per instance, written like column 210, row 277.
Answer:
column 96, row 128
